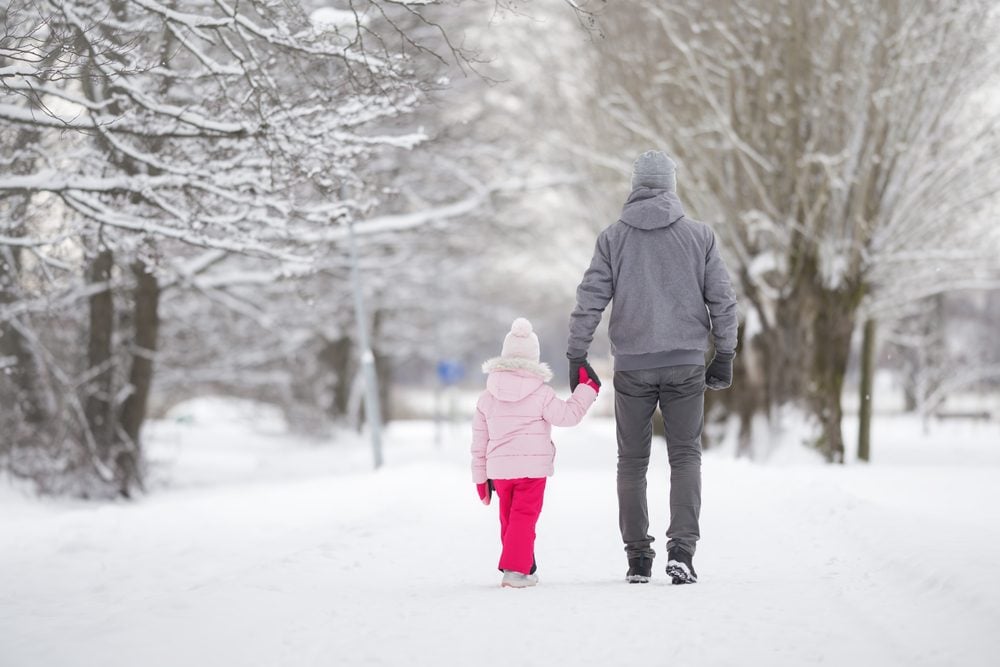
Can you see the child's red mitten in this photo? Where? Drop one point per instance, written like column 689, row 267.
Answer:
column 485, row 492
column 587, row 380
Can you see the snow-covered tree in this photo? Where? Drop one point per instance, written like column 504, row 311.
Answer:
column 181, row 178
column 153, row 143
column 835, row 146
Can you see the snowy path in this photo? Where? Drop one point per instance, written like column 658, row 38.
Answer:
column 316, row 563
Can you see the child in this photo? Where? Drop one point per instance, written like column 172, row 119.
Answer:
column 512, row 450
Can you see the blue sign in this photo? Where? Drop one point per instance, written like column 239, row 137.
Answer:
column 450, row 371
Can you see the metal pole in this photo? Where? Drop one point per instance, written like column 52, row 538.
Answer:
column 866, row 389
column 373, row 411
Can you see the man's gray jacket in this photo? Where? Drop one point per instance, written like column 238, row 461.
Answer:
column 669, row 285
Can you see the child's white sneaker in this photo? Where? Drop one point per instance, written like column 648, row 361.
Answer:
column 512, row 579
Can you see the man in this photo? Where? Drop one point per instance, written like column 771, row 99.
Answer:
column 670, row 290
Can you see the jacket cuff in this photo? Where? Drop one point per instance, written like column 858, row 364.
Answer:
column 576, row 354
column 588, row 392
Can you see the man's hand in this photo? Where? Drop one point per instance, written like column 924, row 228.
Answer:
column 719, row 374
column 576, row 364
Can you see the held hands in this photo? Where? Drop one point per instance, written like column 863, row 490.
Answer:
column 576, row 365
column 485, row 491
column 587, row 380
column 719, row 374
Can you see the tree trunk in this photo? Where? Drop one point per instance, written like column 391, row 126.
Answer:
column 336, row 355
column 383, row 371
column 833, row 328
column 749, row 390
column 809, row 350
column 100, row 418
column 147, row 325
column 909, row 389
column 867, row 385
column 383, row 368
column 24, row 375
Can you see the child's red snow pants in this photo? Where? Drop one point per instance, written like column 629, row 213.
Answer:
column 520, row 504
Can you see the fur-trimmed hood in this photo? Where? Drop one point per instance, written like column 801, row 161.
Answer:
column 504, row 364
column 513, row 379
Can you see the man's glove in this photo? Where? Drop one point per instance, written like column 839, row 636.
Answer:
column 575, row 365
column 485, row 491
column 719, row 374
column 585, row 379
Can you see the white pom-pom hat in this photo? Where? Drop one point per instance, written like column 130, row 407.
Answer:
column 521, row 342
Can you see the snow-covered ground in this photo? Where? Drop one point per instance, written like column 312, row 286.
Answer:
column 257, row 548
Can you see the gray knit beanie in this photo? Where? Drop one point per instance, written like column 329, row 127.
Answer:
column 653, row 169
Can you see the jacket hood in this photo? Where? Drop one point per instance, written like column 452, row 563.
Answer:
column 513, row 379
column 646, row 208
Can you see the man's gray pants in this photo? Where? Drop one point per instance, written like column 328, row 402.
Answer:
column 680, row 393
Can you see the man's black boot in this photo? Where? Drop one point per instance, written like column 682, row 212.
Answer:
column 640, row 569
column 680, row 568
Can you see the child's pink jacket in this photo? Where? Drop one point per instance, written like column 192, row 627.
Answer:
column 512, row 427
